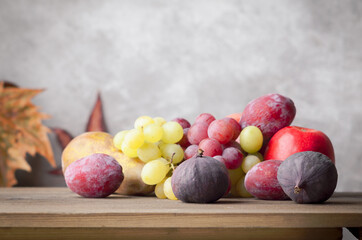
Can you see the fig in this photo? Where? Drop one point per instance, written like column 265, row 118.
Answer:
column 200, row 179
column 308, row 177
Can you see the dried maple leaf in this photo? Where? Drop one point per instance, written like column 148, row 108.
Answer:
column 96, row 119
column 21, row 132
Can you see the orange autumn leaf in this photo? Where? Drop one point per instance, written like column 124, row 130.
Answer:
column 21, row 132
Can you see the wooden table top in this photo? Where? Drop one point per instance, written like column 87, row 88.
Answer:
column 59, row 207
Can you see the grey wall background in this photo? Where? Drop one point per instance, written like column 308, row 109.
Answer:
column 180, row 58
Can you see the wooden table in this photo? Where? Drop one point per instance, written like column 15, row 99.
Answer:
column 57, row 213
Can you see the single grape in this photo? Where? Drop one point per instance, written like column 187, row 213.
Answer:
column 118, row 139
column 167, row 189
column 159, row 121
column 129, row 152
column 219, row 158
column 172, row 132
column 191, row 151
column 210, row 147
column 258, row 155
column 155, row 171
column 174, row 152
column 233, row 144
column 221, row 130
column 184, row 142
column 148, row 152
column 251, row 139
column 143, row 121
column 134, row 138
column 183, row 122
column 197, row 132
column 159, row 190
column 206, row 118
column 233, row 157
column 236, row 127
column 241, row 190
column 249, row 161
column 152, row 132
column 235, row 175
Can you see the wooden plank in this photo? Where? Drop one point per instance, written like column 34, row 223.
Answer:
column 169, row 233
column 58, row 207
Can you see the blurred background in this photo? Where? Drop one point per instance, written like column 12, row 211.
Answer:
column 181, row 58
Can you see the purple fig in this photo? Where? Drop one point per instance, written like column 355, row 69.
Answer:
column 308, row 177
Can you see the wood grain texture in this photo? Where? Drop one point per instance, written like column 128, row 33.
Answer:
column 43, row 211
column 170, row 233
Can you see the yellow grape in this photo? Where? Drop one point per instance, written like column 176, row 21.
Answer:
column 159, row 190
column 129, row 152
column 235, row 175
column 167, row 189
column 118, row 139
column 173, row 151
column 134, row 138
column 258, row 155
column 148, row 152
column 152, row 132
column 155, row 171
column 172, row 132
column 241, row 190
column 142, row 121
column 251, row 139
column 249, row 161
column 159, row 121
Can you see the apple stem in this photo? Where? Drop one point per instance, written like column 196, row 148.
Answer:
column 296, row 190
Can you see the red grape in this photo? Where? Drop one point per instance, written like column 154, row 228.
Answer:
column 191, row 151
column 183, row 122
column 184, row 142
column 221, row 130
column 236, row 126
column 233, row 157
column 205, row 118
column 234, row 144
column 219, row 158
column 197, row 132
column 210, row 147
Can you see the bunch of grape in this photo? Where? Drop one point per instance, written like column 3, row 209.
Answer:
column 153, row 141
column 223, row 140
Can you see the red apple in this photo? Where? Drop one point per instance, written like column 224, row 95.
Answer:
column 293, row 139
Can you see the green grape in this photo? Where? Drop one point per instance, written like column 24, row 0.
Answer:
column 155, row 171
column 161, row 145
column 241, row 190
column 129, row 152
column 174, row 152
column 148, row 152
column 152, row 133
column 258, row 155
column 167, row 189
column 159, row 190
column 249, row 161
column 134, row 138
column 118, row 139
column 251, row 139
column 172, row 132
column 142, row 121
column 159, row 121
column 235, row 175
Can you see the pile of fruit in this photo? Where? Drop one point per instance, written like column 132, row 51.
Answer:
column 252, row 154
